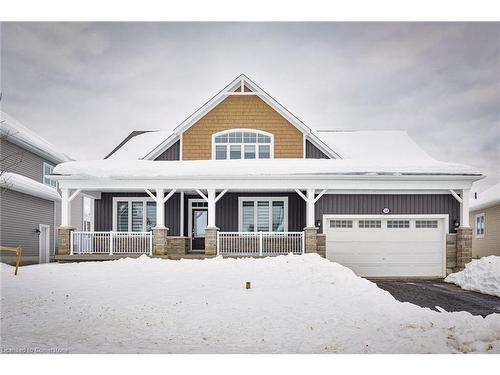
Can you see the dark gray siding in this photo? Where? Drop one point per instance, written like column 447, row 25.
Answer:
column 30, row 165
column 103, row 211
column 371, row 204
column 20, row 215
column 172, row 153
column 312, row 152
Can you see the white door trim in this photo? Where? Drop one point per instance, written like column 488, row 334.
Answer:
column 190, row 219
column 44, row 233
column 444, row 217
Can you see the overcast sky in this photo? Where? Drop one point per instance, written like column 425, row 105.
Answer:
column 86, row 86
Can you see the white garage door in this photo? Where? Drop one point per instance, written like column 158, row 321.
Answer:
column 387, row 245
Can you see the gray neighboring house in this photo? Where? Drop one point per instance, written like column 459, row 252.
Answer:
column 30, row 203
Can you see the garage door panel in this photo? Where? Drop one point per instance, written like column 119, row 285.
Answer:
column 388, row 251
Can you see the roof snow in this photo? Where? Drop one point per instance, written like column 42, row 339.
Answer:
column 19, row 134
column 372, row 144
column 122, row 169
column 489, row 197
column 140, row 145
column 22, row 184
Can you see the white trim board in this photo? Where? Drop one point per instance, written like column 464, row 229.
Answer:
column 129, row 199
column 44, row 231
column 284, row 199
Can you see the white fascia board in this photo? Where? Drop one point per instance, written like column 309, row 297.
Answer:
column 220, row 96
column 38, row 151
column 263, row 183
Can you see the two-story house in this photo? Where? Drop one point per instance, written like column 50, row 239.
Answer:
column 242, row 176
column 30, row 204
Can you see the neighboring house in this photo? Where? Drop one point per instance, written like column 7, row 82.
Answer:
column 243, row 176
column 485, row 221
column 30, row 203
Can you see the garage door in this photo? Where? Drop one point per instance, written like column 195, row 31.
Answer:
column 386, row 246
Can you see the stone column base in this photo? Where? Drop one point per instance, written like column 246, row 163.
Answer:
column 464, row 247
column 211, row 240
column 160, row 241
column 321, row 245
column 311, row 239
column 64, row 240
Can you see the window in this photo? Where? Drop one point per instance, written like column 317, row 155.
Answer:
column 426, row 224
column 480, row 225
column 340, row 223
column 242, row 144
column 134, row 214
column 370, row 224
column 263, row 214
column 48, row 169
column 398, row 223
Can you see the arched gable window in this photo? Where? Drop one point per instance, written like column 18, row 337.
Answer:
column 242, row 144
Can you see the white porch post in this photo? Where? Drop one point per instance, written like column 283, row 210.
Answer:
column 310, row 208
column 211, row 207
column 160, row 208
column 181, row 216
column 65, row 207
column 464, row 209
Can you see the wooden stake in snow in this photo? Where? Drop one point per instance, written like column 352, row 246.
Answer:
column 248, row 285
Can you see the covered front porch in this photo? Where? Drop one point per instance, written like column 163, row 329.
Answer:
column 193, row 223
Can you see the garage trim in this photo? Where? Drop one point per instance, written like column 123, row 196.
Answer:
column 443, row 217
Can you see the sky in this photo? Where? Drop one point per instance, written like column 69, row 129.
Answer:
column 86, row 86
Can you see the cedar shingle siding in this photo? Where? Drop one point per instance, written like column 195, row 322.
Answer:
column 249, row 112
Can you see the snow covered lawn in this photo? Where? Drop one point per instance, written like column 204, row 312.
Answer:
column 481, row 275
column 297, row 304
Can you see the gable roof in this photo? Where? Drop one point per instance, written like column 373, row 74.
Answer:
column 246, row 87
column 20, row 135
column 488, row 198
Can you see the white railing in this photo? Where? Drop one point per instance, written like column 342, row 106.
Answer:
column 111, row 243
column 259, row 243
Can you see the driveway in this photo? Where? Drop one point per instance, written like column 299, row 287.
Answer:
column 432, row 293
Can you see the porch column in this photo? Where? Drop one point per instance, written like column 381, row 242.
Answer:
column 211, row 230
column 464, row 233
column 211, row 207
column 160, row 232
column 64, row 231
column 65, row 207
column 464, row 209
column 310, row 208
column 160, row 208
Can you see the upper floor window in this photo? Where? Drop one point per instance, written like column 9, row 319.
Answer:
column 242, row 144
column 48, row 169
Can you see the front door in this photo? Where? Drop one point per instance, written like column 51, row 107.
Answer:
column 199, row 220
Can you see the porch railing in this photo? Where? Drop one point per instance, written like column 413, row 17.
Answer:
column 260, row 243
column 111, row 243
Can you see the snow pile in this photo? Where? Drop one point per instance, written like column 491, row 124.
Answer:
column 297, row 304
column 19, row 134
column 120, row 169
column 481, row 275
column 22, row 184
